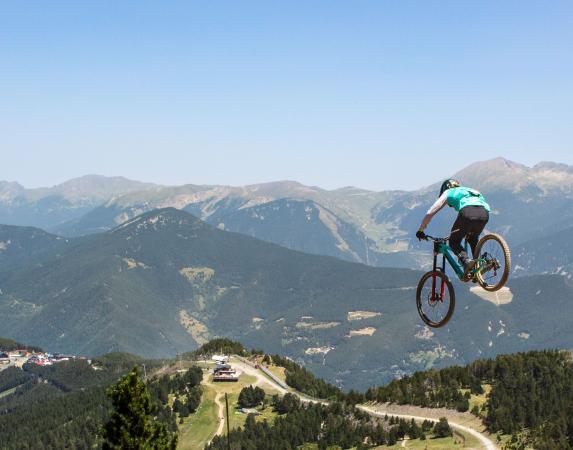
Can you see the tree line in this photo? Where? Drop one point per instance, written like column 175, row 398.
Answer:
column 66, row 406
column 531, row 391
column 337, row 424
column 305, row 381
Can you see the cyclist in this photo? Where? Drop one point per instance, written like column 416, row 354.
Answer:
column 473, row 216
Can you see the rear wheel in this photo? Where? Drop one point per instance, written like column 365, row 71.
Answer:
column 494, row 262
column 435, row 299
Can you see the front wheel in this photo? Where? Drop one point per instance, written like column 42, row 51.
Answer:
column 494, row 259
column 435, row 299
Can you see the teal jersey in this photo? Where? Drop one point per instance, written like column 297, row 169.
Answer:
column 460, row 197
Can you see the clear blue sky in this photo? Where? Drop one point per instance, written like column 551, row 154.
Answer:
column 377, row 94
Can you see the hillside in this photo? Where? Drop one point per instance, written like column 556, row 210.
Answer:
column 526, row 395
column 54, row 407
column 551, row 253
column 26, row 246
column 64, row 405
column 523, row 398
column 165, row 282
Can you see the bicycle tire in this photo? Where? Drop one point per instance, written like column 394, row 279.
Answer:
column 506, row 255
column 452, row 297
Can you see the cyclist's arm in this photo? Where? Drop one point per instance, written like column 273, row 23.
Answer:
column 439, row 204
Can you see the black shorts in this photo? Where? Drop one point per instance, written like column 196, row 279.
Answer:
column 470, row 223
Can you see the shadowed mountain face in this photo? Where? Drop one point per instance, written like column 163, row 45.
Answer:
column 165, row 281
column 26, row 246
column 552, row 253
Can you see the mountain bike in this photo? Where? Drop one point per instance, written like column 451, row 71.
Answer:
column 435, row 296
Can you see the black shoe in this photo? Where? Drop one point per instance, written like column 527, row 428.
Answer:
column 469, row 265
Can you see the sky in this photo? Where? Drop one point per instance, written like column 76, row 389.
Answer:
column 376, row 94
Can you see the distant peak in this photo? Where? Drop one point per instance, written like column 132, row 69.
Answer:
column 490, row 166
column 9, row 190
column 95, row 178
column 280, row 183
column 557, row 167
column 10, row 185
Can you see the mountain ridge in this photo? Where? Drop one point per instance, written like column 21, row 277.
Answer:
column 371, row 227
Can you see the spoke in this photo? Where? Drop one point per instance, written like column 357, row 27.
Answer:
column 494, row 252
column 434, row 310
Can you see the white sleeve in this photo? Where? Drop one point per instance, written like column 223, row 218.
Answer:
column 439, row 204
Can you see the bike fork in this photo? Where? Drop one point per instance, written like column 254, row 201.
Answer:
column 434, row 269
column 443, row 288
column 435, row 297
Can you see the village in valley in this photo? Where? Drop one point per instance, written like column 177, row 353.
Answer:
column 19, row 357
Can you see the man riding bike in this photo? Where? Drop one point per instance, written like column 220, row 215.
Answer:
column 472, row 218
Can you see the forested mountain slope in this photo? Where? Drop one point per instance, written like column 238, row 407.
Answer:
column 165, row 282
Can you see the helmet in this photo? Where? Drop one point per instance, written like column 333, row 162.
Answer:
column 448, row 184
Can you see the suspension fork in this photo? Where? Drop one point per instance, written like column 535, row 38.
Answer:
column 434, row 272
column 443, row 289
column 434, row 269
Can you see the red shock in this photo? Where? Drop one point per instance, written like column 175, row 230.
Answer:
column 443, row 290
column 433, row 286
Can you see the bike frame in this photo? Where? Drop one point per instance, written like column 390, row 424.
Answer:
column 441, row 248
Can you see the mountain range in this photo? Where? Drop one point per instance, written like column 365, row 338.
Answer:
column 375, row 228
column 52, row 206
column 165, row 281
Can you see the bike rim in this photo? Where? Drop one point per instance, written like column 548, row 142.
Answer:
column 492, row 252
column 434, row 310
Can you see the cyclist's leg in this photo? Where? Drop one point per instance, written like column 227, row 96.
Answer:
column 473, row 239
column 477, row 218
column 459, row 231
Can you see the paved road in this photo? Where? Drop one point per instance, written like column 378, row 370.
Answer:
column 262, row 379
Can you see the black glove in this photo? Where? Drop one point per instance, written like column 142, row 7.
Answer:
column 421, row 235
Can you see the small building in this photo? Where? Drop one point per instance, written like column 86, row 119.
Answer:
column 229, row 374
column 39, row 360
column 221, row 367
column 221, row 359
column 250, row 411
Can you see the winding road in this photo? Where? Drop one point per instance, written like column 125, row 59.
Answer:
column 487, row 443
column 377, row 411
column 262, row 379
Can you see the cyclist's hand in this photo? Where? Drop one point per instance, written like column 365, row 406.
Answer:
column 421, row 235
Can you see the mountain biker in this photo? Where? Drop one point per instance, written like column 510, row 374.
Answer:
column 473, row 215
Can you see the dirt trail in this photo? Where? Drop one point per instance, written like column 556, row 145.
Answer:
column 220, row 406
column 220, row 414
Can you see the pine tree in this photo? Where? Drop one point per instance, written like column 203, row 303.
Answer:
column 131, row 425
column 442, row 428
